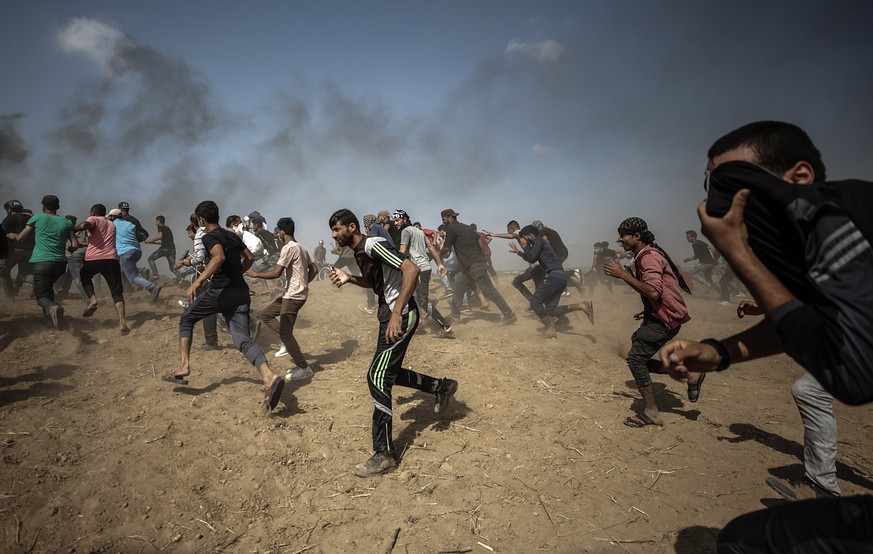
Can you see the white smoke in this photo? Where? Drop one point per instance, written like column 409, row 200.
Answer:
column 95, row 39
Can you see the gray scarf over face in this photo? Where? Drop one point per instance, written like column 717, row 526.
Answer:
column 633, row 225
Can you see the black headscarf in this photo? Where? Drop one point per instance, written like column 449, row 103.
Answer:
column 633, row 225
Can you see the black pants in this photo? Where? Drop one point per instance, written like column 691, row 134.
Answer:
column 234, row 304
column 467, row 280
column 811, row 526
column 534, row 272
column 645, row 341
column 386, row 371
column 111, row 272
column 44, row 276
column 422, row 293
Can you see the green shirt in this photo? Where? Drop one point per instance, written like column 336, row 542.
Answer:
column 51, row 233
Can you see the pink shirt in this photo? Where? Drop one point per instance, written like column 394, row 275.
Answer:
column 101, row 239
column 653, row 269
column 295, row 259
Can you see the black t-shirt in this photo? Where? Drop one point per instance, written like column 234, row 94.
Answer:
column 466, row 244
column 229, row 274
column 166, row 237
column 556, row 242
column 15, row 223
column 701, row 251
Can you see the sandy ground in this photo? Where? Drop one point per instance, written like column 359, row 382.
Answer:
column 100, row 455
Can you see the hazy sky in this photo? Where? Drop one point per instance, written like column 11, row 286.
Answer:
column 576, row 113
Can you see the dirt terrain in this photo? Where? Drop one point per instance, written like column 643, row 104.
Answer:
column 100, row 455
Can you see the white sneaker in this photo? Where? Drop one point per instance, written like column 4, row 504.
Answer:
column 281, row 352
column 299, row 373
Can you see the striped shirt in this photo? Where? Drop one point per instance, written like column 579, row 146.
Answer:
column 380, row 265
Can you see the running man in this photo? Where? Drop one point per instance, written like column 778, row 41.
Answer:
column 228, row 295
column 102, row 257
column 51, row 233
column 544, row 301
column 660, row 286
column 392, row 277
column 299, row 270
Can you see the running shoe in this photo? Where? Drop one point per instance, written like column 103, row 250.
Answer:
column 379, row 463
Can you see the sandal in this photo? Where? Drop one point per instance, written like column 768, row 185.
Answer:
column 641, row 420
column 694, row 388
column 444, row 334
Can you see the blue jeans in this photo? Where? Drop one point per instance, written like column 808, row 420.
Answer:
column 44, row 276
column 128, row 267
column 545, row 299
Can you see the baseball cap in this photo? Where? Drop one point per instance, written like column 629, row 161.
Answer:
column 399, row 214
column 384, row 213
column 51, row 201
column 449, row 212
column 538, row 224
column 115, row 212
column 124, row 205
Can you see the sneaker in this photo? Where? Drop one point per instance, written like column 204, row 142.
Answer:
column 446, row 390
column 299, row 374
column 155, row 293
column 379, row 463
column 366, row 309
column 565, row 293
column 281, row 352
column 800, row 489
column 206, row 347
column 57, row 314
column 510, row 319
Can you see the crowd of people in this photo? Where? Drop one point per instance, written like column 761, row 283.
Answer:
column 798, row 243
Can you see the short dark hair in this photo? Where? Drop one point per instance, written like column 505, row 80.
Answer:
column 286, row 225
column 230, row 219
column 344, row 216
column 691, row 232
column 191, row 228
column 98, row 209
column 529, row 230
column 72, row 218
column 474, row 227
column 777, row 145
column 208, row 210
column 193, row 220
column 161, row 219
